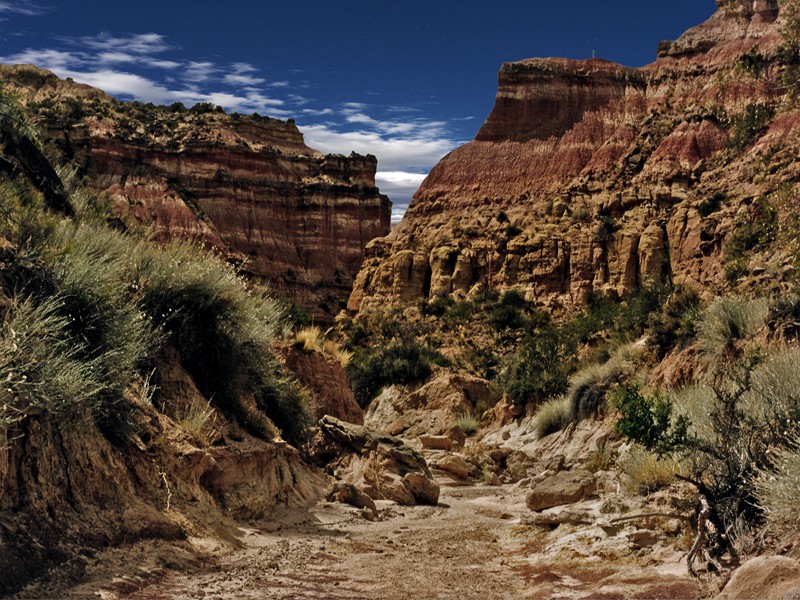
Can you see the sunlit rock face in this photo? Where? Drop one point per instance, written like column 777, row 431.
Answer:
column 588, row 176
column 248, row 187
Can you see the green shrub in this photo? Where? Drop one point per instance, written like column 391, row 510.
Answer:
column 437, row 306
column 675, row 324
column 509, row 313
column 752, row 233
column 745, row 128
column 712, row 204
column 588, row 388
column 512, row 231
column 540, row 368
column 480, row 361
column 606, row 228
column 223, row 333
column 88, row 268
column 646, row 420
column 41, row 366
column 404, row 363
column 725, row 432
column 552, row 416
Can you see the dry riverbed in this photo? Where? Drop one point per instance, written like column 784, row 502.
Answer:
column 475, row 544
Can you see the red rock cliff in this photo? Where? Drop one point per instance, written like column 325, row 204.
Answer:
column 247, row 186
column 590, row 176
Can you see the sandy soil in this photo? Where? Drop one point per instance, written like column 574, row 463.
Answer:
column 475, row 544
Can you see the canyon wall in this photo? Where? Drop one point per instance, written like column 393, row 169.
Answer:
column 592, row 177
column 246, row 186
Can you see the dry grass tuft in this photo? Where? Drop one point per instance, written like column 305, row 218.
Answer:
column 310, row 339
column 648, row 473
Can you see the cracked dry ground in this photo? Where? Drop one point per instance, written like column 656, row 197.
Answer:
column 476, row 544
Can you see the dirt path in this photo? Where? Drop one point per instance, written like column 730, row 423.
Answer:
column 459, row 549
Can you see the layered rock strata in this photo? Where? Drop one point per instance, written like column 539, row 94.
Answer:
column 588, row 176
column 247, row 186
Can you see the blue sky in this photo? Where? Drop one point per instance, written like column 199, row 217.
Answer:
column 407, row 81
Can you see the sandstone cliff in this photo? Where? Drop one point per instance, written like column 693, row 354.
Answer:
column 589, row 176
column 247, row 186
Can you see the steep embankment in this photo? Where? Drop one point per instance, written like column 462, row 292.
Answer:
column 245, row 185
column 589, row 176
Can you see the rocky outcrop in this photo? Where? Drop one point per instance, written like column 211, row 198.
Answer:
column 593, row 177
column 430, row 410
column 379, row 464
column 326, row 381
column 247, row 186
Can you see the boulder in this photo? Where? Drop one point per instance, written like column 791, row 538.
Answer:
column 347, row 493
column 564, row 487
column 380, row 464
column 436, row 442
column 764, row 577
column 453, row 464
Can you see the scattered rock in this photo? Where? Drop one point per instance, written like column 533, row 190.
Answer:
column 423, row 489
column 565, row 487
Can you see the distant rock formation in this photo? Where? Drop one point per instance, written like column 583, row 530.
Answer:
column 247, row 186
column 592, row 177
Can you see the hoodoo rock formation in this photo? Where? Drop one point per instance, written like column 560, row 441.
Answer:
column 247, row 186
column 593, row 177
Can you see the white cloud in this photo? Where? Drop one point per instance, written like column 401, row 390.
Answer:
column 28, row 9
column 142, row 43
column 111, row 63
column 241, row 79
column 394, row 153
column 47, row 59
column 400, row 186
column 199, row 71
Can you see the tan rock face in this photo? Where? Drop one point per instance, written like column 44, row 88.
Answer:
column 248, row 187
column 587, row 175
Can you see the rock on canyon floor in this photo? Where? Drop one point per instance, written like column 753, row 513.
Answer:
column 476, row 544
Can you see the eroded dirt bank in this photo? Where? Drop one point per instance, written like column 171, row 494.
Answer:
column 478, row 543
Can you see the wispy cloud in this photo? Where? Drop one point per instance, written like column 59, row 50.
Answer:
column 121, row 65
column 142, row 43
column 28, row 9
